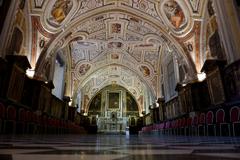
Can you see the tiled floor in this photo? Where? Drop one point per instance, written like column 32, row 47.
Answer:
column 118, row 147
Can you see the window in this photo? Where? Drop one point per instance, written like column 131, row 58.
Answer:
column 58, row 79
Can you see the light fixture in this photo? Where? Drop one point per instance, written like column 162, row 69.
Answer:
column 30, row 73
column 70, row 102
column 201, row 76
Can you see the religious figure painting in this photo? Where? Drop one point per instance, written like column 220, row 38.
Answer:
column 116, row 28
column 145, row 71
column 112, row 45
column 174, row 14
column 114, row 56
column 113, row 100
column 60, row 10
column 84, row 68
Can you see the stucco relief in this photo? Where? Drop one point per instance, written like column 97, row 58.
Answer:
column 60, row 11
column 145, row 70
column 175, row 14
column 84, row 68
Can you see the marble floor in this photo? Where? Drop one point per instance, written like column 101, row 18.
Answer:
column 118, row 147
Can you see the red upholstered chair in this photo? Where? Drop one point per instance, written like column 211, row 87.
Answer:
column 178, row 126
column 189, row 125
column 183, row 126
column 161, row 128
column 61, row 126
column 201, row 124
column 44, row 124
column 21, row 121
column 211, row 128
column 222, row 128
column 167, row 127
column 35, row 123
column 29, row 122
column 2, row 116
column 235, row 120
column 194, row 128
column 10, row 123
column 172, row 127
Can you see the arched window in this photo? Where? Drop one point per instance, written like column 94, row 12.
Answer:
column 58, row 78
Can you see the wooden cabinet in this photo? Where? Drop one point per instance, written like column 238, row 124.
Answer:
column 3, row 69
column 14, row 77
column 193, row 97
column 214, row 72
column 232, row 81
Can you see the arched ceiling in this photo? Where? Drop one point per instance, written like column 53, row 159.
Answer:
column 115, row 41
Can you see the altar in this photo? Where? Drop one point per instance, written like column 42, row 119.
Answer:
column 108, row 125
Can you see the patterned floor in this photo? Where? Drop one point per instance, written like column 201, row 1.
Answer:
column 118, row 147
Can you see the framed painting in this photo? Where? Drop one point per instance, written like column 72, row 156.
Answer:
column 216, row 87
column 114, row 100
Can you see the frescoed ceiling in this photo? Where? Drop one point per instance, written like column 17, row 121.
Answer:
column 115, row 41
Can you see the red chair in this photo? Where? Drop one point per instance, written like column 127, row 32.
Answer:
column 167, row 127
column 194, row 128
column 211, row 128
column 178, row 126
column 21, row 122
column 2, row 116
column 172, row 127
column 162, row 125
column 189, row 125
column 201, row 124
column 235, row 121
column 10, row 123
column 183, row 126
column 35, row 123
column 222, row 128
column 44, row 124
column 29, row 122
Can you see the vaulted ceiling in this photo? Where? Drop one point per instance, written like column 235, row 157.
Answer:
column 120, row 42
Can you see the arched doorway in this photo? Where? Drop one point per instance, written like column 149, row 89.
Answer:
column 112, row 109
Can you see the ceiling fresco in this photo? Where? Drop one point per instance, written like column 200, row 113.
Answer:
column 116, row 41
